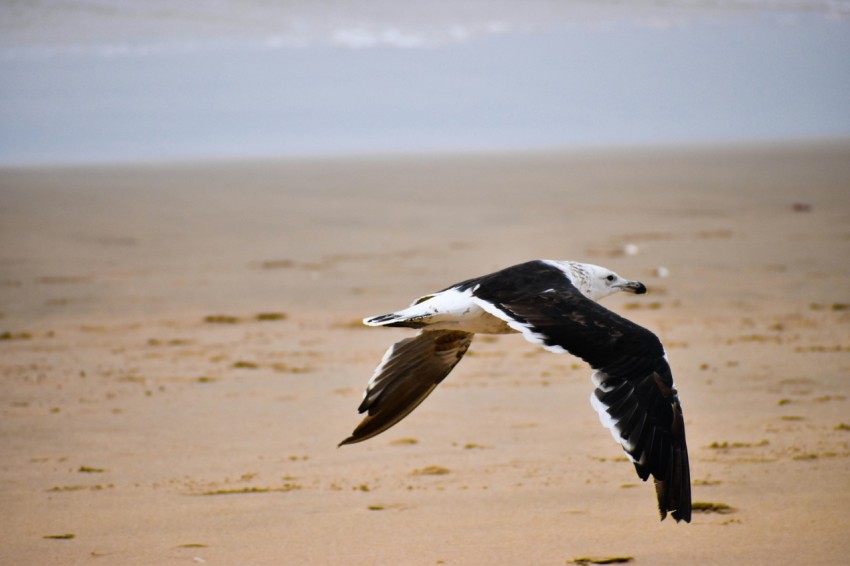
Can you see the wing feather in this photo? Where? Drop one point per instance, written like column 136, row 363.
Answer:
column 409, row 371
column 634, row 394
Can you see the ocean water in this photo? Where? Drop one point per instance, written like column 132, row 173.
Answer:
column 121, row 81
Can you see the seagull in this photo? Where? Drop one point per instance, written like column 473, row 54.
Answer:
column 553, row 304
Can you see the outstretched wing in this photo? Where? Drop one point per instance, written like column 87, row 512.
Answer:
column 634, row 395
column 408, row 373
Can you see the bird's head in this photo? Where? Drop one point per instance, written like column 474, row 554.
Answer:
column 596, row 282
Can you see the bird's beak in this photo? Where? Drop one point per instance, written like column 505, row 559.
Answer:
column 635, row 287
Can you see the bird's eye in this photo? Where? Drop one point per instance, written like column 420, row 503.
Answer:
column 610, row 278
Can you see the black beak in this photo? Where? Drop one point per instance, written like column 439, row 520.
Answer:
column 635, row 287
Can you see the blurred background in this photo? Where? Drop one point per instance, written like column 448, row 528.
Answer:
column 180, row 308
column 102, row 81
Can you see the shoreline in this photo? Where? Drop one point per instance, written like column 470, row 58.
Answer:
column 602, row 151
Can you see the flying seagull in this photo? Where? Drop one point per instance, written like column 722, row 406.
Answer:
column 551, row 303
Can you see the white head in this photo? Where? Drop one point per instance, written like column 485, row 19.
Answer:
column 597, row 282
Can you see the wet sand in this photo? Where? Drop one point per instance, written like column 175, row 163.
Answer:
column 181, row 353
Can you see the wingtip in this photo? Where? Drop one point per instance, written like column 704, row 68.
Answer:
column 678, row 515
column 358, row 435
column 675, row 502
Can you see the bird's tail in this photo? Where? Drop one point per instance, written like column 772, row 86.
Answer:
column 396, row 319
column 425, row 311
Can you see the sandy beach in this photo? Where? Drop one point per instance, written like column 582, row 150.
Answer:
column 182, row 352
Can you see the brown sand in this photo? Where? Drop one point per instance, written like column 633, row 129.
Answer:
column 154, row 436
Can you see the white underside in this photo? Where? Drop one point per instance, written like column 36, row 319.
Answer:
column 455, row 310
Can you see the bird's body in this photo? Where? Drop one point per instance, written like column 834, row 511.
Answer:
column 452, row 309
column 552, row 303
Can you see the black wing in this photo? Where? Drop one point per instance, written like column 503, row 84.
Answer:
column 634, row 386
column 410, row 371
